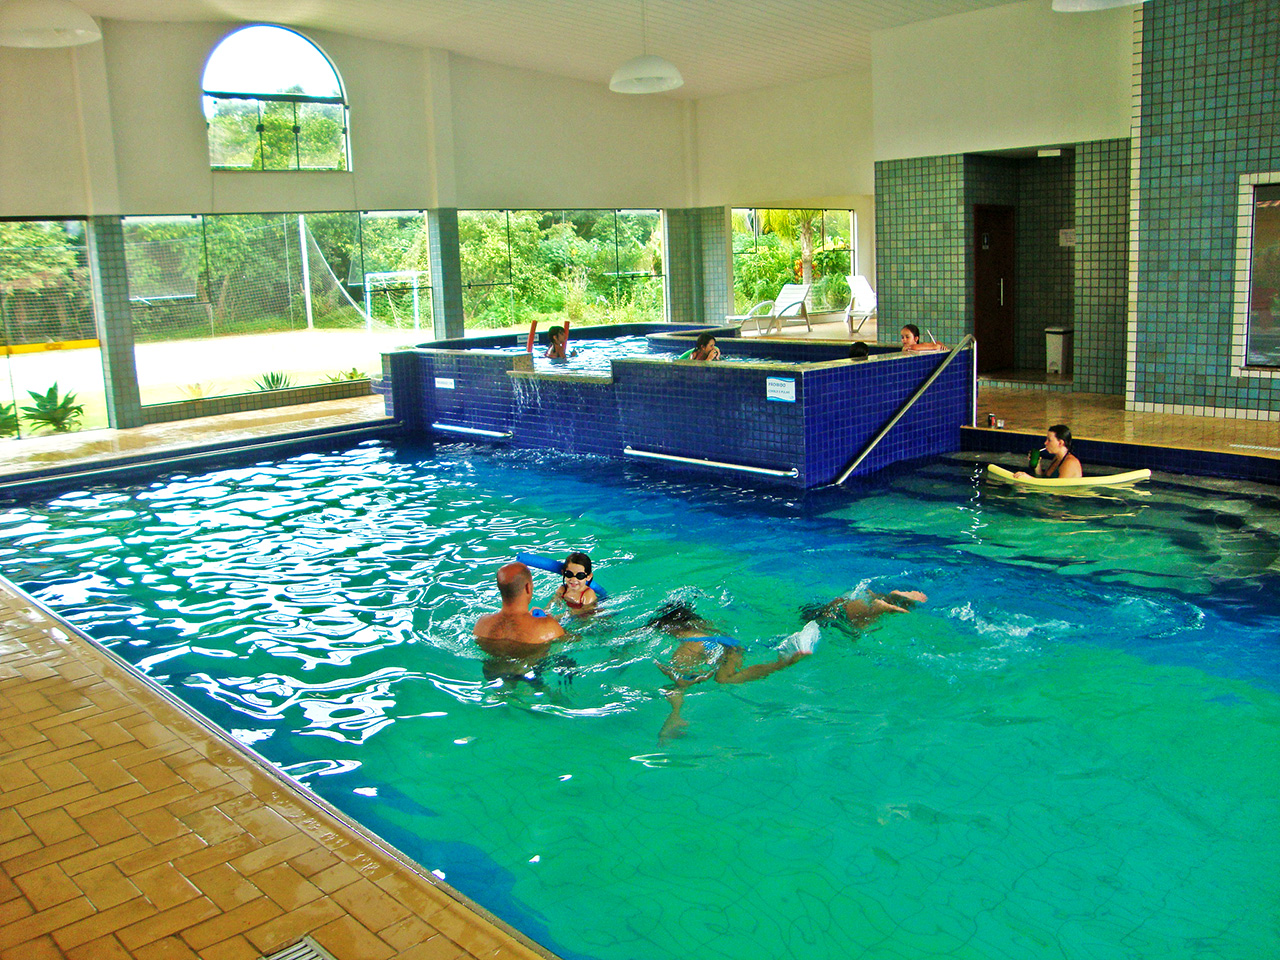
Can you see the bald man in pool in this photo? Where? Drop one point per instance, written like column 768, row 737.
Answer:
column 513, row 632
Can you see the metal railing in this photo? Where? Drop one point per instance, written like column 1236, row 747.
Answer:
column 741, row 468
column 920, row 391
column 471, row 431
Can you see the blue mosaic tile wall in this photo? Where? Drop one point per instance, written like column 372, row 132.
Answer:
column 922, row 246
column 715, row 411
column 1101, row 264
column 1210, row 88
column 710, row 411
column 573, row 415
column 847, row 406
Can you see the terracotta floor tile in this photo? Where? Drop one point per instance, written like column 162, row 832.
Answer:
column 160, row 798
column 93, row 800
column 104, row 948
column 345, row 938
column 438, row 947
column 15, row 909
column 44, row 921
column 159, row 825
column 154, row 774
column 164, row 886
column 58, row 776
column 168, row 922
column 286, row 886
column 284, row 930
column 53, row 826
column 335, row 877
column 170, row 948
column 221, row 884
column 311, row 862
column 106, row 826
column 8, row 889
column 370, row 904
column 222, row 852
column 51, row 800
column 212, row 825
column 210, row 798
column 235, row 921
column 50, row 854
column 105, row 774
column 12, row 826
column 40, row 949
column 47, row 886
column 18, row 847
column 237, row 948
column 103, row 923
column 272, row 854
column 408, row 932
column 107, row 853
column 151, row 856
column 106, row 886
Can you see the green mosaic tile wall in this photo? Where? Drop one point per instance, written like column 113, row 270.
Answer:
column 1045, row 289
column 925, row 255
column 1102, row 268
column 1210, row 86
column 922, row 247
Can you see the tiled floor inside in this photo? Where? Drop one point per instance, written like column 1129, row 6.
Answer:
column 129, row 829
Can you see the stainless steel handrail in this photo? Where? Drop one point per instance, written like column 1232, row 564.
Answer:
column 471, row 431
column 632, row 452
column 968, row 339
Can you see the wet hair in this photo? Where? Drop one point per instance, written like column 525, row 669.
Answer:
column 676, row 615
column 553, row 331
column 859, row 351
column 1063, row 433
column 512, row 585
column 582, row 560
column 703, row 340
column 912, row 329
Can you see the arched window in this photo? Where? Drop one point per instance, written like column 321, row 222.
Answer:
column 273, row 101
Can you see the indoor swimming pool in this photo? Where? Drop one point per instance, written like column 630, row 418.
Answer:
column 1069, row 750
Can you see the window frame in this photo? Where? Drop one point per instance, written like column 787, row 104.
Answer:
column 1243, row 287
column 263, row 100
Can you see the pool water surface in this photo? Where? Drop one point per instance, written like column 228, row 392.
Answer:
column 1069, row 750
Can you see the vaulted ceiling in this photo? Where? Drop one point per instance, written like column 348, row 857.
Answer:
column 720, row 46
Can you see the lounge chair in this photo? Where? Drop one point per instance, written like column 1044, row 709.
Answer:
column 789, row 305
column 862, row 303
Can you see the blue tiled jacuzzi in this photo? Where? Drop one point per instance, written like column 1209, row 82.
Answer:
column 802, row 415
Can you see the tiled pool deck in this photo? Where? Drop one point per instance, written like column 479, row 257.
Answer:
column 128, row 828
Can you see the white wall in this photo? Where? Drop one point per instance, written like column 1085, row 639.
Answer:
column 56, row 152
column 786, row 146
column 531, row 140
column 1011, row 76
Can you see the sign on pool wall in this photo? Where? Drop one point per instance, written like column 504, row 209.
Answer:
column 782, row 389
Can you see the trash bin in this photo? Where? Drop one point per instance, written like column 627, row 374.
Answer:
column 1057, row 350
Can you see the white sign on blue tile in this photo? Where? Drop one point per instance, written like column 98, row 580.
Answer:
column 782, row 389
column 445, row 383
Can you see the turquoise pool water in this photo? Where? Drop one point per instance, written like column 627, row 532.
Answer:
column 595, row 357
column 1069, row 751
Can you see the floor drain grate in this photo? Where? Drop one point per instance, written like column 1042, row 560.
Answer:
column 304, row 949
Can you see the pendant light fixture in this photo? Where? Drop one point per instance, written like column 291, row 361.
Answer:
column 647, row 73
column 45, row 23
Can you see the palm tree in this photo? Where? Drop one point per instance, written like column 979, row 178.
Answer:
column 793, row 224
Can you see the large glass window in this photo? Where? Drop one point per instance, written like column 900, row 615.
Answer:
column 587, row 266
column 47, row 337
column 773, row 247
column 238, row 303
column 273, row 101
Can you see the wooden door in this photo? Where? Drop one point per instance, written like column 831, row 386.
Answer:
column 993, row 273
